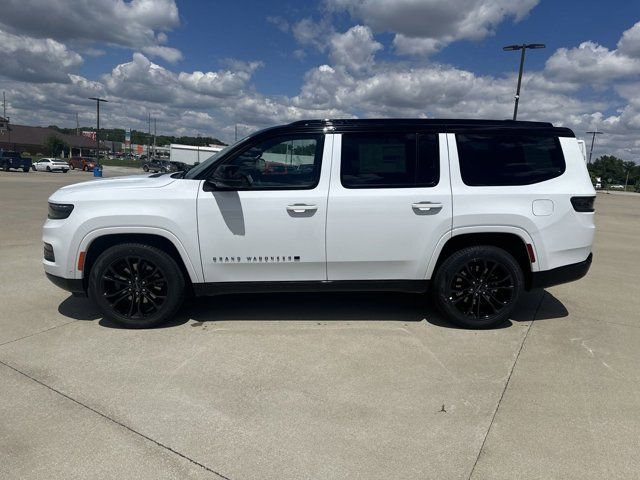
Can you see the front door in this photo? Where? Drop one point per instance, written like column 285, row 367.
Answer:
column 389, row 205
column 262, row 215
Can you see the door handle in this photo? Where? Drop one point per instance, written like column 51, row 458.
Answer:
column 426, row 207
column 301, row 208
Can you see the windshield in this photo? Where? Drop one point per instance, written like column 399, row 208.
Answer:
column 193, row 173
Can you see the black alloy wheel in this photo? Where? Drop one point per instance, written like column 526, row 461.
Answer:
column 136, row 285
column 481, row 288
column 478, row 287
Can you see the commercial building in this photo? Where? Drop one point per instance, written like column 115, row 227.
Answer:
column 33, row 140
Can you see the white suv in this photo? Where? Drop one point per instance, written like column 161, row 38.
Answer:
column 479, row 210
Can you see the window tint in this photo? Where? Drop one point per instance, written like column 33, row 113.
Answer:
column 291, row 162
column 508, row 159
column 388, row 160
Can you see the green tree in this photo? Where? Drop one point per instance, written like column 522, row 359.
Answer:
column 56, row 145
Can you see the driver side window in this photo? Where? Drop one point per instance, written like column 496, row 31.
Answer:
column 279, row 163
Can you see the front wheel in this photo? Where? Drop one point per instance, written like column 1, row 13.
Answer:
column 136, row 285
column 478, row 287
column 48, row 169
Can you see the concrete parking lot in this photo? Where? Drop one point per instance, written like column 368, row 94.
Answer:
column 322, row 386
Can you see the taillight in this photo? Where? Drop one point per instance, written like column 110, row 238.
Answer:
column 583, row 204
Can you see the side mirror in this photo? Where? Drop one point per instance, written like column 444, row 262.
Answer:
column 216, row 184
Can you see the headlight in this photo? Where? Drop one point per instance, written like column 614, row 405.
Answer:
column 59, row 211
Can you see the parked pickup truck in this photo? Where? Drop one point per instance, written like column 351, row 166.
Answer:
column 9, row 159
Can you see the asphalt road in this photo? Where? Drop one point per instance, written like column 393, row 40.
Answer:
column 322, row 386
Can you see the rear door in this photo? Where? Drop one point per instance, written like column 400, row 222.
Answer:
column 389, row 205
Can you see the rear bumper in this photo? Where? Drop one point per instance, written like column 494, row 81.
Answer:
column 564, row 274
column 73, row 285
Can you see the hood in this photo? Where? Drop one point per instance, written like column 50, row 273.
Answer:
column 134, row 182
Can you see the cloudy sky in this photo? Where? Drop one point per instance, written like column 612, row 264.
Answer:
column 201, row 66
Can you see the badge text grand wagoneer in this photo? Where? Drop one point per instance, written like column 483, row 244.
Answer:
column 476, row 210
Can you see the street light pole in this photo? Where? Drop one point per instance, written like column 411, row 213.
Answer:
column 522, row 47
column 98, row 100
column 593, row 140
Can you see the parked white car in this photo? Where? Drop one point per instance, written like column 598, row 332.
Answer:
column 477, row 211
column 51, row 165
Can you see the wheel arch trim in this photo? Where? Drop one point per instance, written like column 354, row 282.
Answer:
column 195, row 275
column 477, row 229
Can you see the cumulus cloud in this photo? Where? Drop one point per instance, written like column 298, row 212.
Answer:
column 590, row 62
column 220, row 84
column 629, row 44
column 36, row 60
column 171, row 55
column 132, row 24
column 354, row 49
column 425, row 26
column 312, row 32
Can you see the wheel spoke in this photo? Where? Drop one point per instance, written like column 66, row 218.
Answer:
column 119, row 299
column 488, row 300
column 114, row 294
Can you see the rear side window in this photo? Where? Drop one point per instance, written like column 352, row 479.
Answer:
column 389, row 160
column 508, row 159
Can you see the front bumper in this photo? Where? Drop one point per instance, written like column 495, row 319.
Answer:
column 73, row 285
column 564, row 274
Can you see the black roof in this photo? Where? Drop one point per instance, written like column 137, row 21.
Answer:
column 422, row 121
column 443, row 125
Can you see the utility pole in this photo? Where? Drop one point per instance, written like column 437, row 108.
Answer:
column 4, row 115
column 155, row 133
column 149, row 140
column 593, row 139
column 522, row 47
column 77, row 124
column 236, row 139
column 98, row 100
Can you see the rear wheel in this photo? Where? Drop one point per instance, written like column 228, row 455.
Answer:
column 478, row 287
column 145, row 168
column 85, row 168
column 136, row 285
column 26, row 170
column 65, row 170
column 48, row 169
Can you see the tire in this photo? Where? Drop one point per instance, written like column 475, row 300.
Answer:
column 65, row 170
column 145, row 306
column 25, row 170
column 48, row 169
column 478, row 287
column 5, row 168
column 145, row 168
column 73, row 167
column 33, row 167
column 85, row 169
